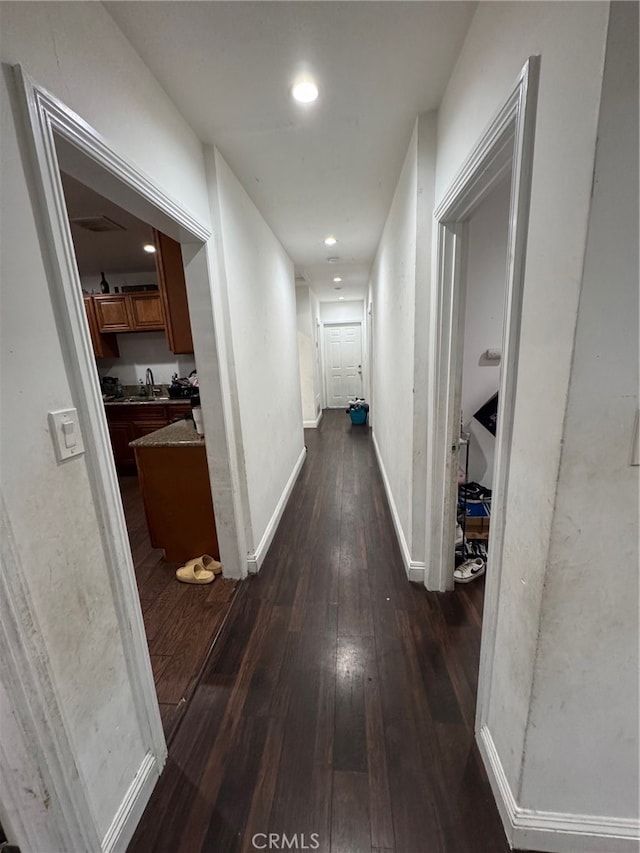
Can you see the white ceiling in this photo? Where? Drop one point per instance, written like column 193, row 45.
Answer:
column 110, row 251
column 327, row 168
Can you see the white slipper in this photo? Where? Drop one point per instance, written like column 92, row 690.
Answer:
column 199, row 570
column 469, row 570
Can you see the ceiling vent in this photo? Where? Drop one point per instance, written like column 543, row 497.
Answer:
column 97, row 224
column 333, row 260
column 300, row 278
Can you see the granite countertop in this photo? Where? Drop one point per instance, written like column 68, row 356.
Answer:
column 180, row 434
column 146, row 401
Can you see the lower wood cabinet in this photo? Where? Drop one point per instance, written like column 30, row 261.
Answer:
column 128, row 421
column 176, row 491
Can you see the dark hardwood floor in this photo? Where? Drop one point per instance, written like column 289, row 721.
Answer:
column 180, row 620
column 338, row 699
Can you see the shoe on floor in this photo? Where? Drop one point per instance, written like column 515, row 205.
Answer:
column 469, row 570
column 474, row 492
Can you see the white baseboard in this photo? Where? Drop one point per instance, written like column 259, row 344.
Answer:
column 313, row 424
column 256, row 559
column 415, row 570
column 553, row 832
column 133, row 805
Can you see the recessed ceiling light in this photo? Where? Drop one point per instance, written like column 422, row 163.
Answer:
column 340, row 298
column 305, row 92
column 149, row 247
column 337, row 278
column 330, row 241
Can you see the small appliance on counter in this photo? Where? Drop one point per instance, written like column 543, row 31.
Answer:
column 111, row 387
column 181, row 388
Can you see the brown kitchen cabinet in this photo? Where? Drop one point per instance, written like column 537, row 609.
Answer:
column 104, row 346
column 128, row 421
column 146, row 312
column 173, row 291
column 112, row 313
column 129, row 312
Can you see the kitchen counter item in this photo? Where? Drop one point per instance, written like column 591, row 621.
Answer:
column 180, row 434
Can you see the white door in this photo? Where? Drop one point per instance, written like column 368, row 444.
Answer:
column 343, row 364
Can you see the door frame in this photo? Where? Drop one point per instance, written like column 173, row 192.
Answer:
column 326, row 325
column 506, row 145
column 54, row 135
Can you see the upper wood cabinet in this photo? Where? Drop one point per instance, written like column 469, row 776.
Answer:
column 129, row 312
column 173, row 291
column 165, row 310
column 146, row 311
column 104, row 346
column 111, row 313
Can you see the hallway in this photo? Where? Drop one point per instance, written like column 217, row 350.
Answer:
column 339, row 699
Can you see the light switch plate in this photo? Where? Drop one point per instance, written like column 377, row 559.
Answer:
column 65, row 433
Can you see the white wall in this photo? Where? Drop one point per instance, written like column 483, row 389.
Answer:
column 570, row 37
column 262, row 315
column 581, row 752
column 314, row 305
column 139, row 350
column 91, row 283
column 399, row 291
column 349, row 311
column 392, row 282
column 308, row 353
column 79, row 54
column 484, row 321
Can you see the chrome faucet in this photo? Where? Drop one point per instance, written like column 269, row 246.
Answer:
column 149, row 381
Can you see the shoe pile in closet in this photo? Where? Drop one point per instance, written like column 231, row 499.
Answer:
column 471, row 554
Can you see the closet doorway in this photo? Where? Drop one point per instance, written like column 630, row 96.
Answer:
column 503, row 155
column 485, row 291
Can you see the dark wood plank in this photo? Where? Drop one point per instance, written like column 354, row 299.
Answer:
column 350, row 818
column 350, row 739
column 338, row 698
column 382, row 834
column 181, row 620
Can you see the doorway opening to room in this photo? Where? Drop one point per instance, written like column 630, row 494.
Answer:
column 135, row 297
column 479, row 361
column 61, row 143
column 500, row 165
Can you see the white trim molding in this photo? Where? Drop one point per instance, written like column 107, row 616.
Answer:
column 255, row 559
column 313, row 424
column 57, row 812
column 128, row 815
column 505, row 147
column 414, row 569
column 53, row 131
column 553, row 832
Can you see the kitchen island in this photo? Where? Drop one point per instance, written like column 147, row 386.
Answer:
column 176, row 491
